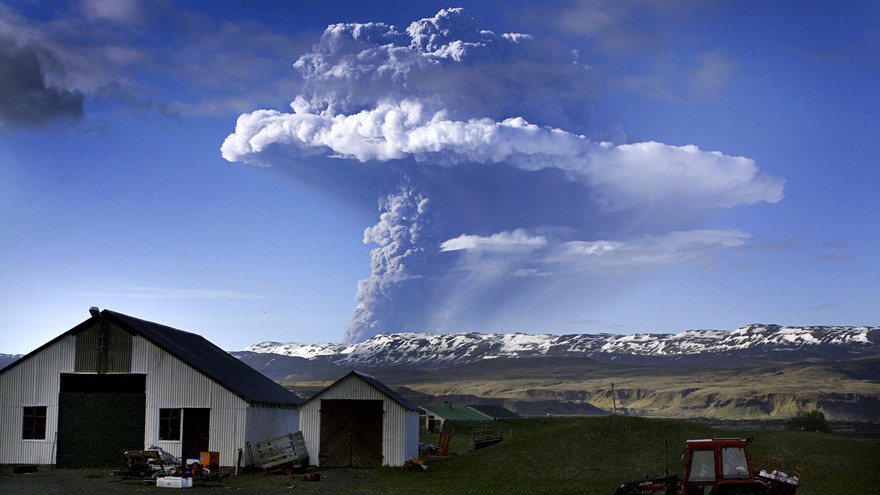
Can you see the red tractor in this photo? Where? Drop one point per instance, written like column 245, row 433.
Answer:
column 720, row 466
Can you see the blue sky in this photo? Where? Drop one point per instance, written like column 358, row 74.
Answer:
column 585, row 166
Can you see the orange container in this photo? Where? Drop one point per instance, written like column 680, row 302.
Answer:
column 209, row 459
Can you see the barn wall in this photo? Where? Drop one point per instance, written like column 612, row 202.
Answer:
column 33, row 382
column 265, row 423
column 411, row 446
column 310, row 425
column 171, row 383
column 400, row 436
column 116, row 358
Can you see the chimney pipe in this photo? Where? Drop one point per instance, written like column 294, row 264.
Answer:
column 94, row 311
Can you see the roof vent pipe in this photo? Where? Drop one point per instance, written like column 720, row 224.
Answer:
column 94, row 311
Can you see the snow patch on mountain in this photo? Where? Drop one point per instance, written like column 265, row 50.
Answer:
column 433, row 349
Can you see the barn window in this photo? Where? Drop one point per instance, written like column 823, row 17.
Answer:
column 169, row 424
column 34, row 427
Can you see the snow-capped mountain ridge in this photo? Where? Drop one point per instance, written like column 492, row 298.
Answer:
column 432, row 349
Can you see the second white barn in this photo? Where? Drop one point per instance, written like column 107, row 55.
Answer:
column 361, row 423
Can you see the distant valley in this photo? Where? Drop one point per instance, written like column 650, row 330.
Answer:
column 755, row 372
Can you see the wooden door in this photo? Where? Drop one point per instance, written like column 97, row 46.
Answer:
column 351, row 433
column 195, row 432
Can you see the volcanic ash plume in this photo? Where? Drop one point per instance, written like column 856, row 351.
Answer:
column 397, row 267
column 493, row 129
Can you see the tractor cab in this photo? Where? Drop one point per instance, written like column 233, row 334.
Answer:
column 718, row 466
column 721, row 463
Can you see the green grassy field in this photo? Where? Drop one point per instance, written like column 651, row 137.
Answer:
column 592, row 455
column 570, row 455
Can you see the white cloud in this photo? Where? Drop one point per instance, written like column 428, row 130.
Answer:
column 619, row 177
column 518, row 240
column 644, row 252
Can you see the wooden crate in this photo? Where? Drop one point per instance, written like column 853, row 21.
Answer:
column 286, row 451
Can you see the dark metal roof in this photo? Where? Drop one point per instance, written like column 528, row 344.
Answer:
column 197, row 352
column 376, row 384
column 210, row 360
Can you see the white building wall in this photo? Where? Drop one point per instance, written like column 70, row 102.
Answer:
column 310, row 425
column 265, row 423
column 411, row 442
column 400, row 428
column 33, row 382
column 171, row 383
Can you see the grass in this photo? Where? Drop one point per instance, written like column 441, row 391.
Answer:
column 593, row 455
column 559, row 455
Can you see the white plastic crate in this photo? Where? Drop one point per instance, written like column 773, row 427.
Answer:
column 174, row 482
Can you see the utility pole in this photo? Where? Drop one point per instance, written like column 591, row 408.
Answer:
column 614, row 398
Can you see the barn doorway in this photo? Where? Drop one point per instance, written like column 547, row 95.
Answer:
column 196, row 429
column 99, row 418
column 351, row 433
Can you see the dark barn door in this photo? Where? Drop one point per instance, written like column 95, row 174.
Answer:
column 196, row 427
column 351, row 433
column 99, row 418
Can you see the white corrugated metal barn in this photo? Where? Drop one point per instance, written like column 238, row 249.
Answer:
column 359, row 422
column 115, row 383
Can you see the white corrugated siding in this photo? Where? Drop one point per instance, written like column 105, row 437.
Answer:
column 400, row 428
column 411, row 447
column 33, row 382
column 171, row 383
column 265, row 423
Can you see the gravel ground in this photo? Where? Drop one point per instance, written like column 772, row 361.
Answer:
column 48, row 481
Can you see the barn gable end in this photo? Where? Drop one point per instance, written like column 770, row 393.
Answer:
column 155, row 384
column 364, row 409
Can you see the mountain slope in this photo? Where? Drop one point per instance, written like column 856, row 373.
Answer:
column 758, row 371
column 7, row 359
column 753, row 342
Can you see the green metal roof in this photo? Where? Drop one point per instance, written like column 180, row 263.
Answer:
column 495, row 412
column 448, row 412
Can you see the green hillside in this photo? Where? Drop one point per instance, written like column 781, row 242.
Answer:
column 848, row 390
column 842, row 390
